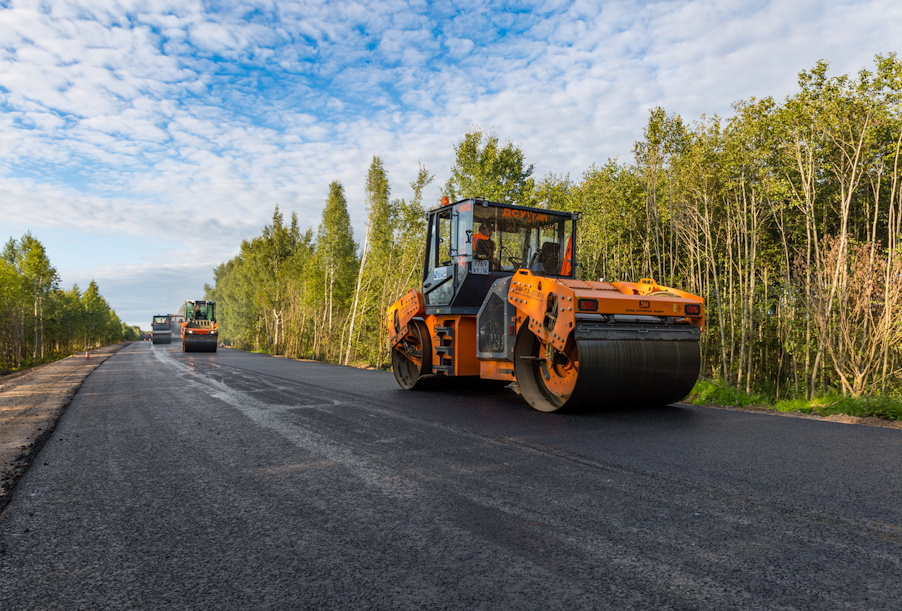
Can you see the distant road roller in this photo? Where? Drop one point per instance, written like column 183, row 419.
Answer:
column 162, row 332
column 500, row 301
column 200, row 331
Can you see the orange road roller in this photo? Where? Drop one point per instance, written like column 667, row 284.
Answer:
column 200, row 331
column 500, row 301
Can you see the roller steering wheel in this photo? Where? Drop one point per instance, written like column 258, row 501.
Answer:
column 518, row 263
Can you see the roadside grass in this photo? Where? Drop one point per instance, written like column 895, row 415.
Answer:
column 885, row 408
column 718, row 392
column 707, row 392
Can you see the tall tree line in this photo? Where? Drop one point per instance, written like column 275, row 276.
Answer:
column 38, row 320
column 784, row 217
column 319, row 294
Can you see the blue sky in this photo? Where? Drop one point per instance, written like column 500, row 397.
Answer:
column 141, row 141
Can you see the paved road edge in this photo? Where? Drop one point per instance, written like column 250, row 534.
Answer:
column 14, row 467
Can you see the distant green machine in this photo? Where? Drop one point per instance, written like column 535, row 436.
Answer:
column 200, row 331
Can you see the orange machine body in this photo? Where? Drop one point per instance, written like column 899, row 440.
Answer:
column 548, row 306
column 199, row 330
column 516, row 312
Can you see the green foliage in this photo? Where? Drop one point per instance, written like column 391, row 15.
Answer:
column 716, row 392
column 286, row 293
column 708, row 392
column 397, row 230
column 130, row 333
column 309, row 296
column 885, row 407
column 336, row 250
column 611, row 201
column 492, row 171
column 375, row 268
column 39, row 322
column 256, row 292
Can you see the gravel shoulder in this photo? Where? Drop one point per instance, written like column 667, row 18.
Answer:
column 30, row 403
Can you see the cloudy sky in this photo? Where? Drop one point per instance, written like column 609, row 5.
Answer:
column 141, row 141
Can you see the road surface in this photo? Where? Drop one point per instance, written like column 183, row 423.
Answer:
column 235, row 480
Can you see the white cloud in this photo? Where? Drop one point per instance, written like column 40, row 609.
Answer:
column 148, row 118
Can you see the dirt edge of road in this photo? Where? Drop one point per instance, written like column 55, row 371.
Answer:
column 31, row 403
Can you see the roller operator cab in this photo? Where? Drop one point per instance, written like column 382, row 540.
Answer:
column 200, row 331
column 162, row 333
column 500, row 300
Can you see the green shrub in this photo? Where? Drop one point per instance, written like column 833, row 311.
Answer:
column 888, row 408
column 707, row 392
column 809, row 406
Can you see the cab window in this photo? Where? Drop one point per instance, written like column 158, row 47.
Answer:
column 438, row 287
column 512, row 239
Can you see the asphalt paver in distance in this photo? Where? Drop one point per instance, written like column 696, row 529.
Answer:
column 232, row 480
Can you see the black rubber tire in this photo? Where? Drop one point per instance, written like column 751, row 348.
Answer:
column 408, row 375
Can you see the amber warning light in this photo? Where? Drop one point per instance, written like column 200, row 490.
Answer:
column 693, row 309
column 587, row 305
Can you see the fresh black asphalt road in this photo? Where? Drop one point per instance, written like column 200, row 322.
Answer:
column 241, row 481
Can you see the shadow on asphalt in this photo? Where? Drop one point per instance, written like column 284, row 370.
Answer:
column 497, row 399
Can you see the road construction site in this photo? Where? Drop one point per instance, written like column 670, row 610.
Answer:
column 231, row 479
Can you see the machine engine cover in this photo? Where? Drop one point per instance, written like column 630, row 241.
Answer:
column 493, row 323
